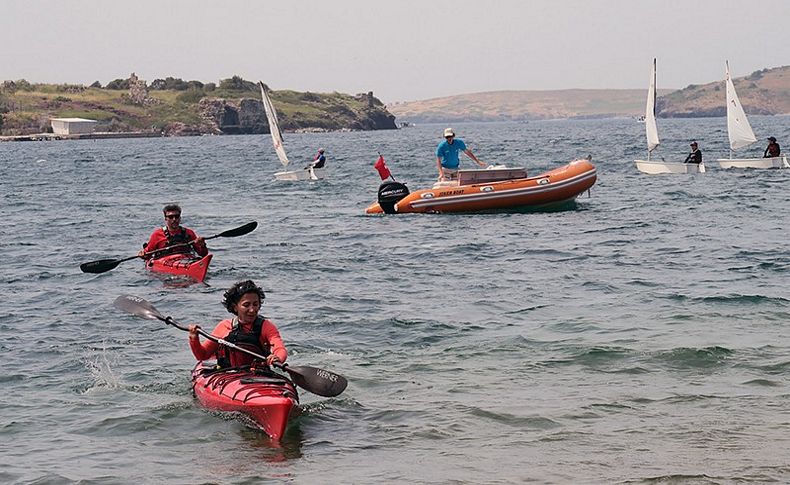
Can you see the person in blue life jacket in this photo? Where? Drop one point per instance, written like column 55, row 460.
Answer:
column 696, row 154
column 447, row 160
column 319, row 161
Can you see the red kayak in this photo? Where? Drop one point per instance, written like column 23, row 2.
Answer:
column 264, row 396
column 189, row 265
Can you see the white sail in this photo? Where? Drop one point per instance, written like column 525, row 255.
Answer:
column 650, row 113
column 738, row 128
column 274, row 125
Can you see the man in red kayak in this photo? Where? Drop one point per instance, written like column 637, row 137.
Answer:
column 173, row 234
column 247, row 330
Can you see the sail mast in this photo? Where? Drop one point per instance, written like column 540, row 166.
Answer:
column 651, row 130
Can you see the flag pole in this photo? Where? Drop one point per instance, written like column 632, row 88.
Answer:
column 390, row 171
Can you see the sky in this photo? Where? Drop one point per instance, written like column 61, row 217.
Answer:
column 402, row 50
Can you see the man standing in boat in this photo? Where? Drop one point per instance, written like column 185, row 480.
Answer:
column 773, row 149
column 172, row 233
column 696, row 154
column 447, row 156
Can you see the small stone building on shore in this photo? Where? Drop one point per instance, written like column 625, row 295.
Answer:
column 72, row 126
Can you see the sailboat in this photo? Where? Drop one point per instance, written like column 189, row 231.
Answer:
column 740, row 133
column 651, row 129
column 308, row 173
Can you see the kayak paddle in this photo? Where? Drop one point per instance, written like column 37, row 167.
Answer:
column 318, row 381
column 104, row 265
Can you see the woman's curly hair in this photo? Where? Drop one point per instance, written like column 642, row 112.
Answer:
column 235, row 292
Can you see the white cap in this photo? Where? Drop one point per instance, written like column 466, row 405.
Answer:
column 448, row 132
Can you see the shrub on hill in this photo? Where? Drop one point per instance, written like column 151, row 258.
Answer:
column 175, row 84
column 756, row 74
column 18, row 85
column 236, row 83
column 118, row 84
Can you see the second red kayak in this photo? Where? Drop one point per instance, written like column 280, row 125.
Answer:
column 266, row 397
column 189, row 265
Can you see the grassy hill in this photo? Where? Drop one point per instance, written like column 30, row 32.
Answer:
column 762, row 92
column 179, row 107
column 525, row 105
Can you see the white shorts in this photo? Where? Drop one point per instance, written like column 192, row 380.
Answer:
column 450, row 173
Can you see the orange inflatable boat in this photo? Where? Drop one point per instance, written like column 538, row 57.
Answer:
column 489, row 189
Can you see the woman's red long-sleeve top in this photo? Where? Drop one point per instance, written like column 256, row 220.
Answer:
column 270, row 337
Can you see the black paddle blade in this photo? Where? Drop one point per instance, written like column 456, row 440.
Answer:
column 99, row 266
column 239, row 231
column 138, row 306
column 318, row 381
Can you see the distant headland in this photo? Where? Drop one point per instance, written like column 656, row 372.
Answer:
column 765, row 92
column 174, row 107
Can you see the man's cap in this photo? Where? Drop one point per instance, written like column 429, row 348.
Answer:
column 770, row 138
column 693, row 143
column 448, row 132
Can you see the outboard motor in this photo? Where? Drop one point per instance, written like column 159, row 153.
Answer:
column 389, row 195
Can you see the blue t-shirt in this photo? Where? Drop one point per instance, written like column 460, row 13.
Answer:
column 449, row 153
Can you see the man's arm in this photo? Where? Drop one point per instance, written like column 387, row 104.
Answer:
column 471, row 155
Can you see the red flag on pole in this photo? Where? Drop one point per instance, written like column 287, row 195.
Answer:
column 384, row 172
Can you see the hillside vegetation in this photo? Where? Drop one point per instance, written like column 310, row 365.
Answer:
column 762, row 92
column 524, row 105
column 765, row 92
column 174, row 106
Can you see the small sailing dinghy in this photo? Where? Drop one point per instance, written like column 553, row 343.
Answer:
column 651, row 129
column 308, row 173
column 741, row 134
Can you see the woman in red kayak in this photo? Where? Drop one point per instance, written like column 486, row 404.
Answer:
column 247, row 330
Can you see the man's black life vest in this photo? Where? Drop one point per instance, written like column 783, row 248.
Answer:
column 172, row 239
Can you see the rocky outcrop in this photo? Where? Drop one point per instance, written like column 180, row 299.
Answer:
column 247, row 116
column 177, row 128
column 233, row 117
column 138, row 92
column 252, row 117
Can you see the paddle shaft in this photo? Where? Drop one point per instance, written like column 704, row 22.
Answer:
column 104, row 265
column 318, row 381
column 230, row 233
column 298, row 376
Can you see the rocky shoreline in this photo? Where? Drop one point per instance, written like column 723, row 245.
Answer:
column 177, row 108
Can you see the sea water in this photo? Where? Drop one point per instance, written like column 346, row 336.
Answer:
column 639, row 336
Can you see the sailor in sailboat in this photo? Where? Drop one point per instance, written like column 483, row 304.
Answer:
column 773, row 149
column 696, row 154
column 319, row 161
